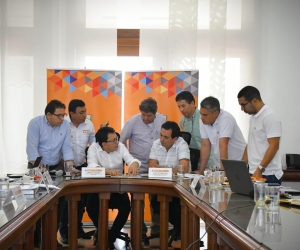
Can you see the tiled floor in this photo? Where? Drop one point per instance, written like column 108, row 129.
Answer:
column 120, row 244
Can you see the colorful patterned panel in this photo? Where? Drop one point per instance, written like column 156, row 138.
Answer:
column 98, row 89
column 162, row 86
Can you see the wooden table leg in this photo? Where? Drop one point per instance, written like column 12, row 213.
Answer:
column 103, row 221
column 212, row 239
column 49, row 229
column 29, row 238
column 194, row 230
column 18, row 245
column 164, row 220
column 136, row 219
column 73, row 219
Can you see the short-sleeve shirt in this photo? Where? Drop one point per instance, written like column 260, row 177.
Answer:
column 179, row 150
column 263, row 125
column 81, row 137
column 225, row 126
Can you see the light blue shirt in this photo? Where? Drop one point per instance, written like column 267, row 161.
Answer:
column 53, row 143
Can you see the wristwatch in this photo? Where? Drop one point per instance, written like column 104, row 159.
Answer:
column 261, row 168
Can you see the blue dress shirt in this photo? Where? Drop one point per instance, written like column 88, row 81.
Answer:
column 53, row 143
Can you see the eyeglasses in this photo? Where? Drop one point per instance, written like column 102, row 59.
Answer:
column 60, row 116
column 244, row 104
column 114, row 140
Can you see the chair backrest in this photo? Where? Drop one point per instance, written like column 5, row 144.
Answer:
column 186, row 136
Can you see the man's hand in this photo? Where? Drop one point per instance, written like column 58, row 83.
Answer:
column 133, row 168
column 197, row 172
column 112, row 172
column 257, row 173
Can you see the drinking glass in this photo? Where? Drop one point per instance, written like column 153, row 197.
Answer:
column 4, row 186
column 214, row 180
column 272, row 198
column 259, row 194
column 180, row 172
column 68, row 167
column 43, row 167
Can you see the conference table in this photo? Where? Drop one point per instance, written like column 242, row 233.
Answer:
column 232, row 221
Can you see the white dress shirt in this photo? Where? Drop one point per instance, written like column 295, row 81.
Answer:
column 113, row 160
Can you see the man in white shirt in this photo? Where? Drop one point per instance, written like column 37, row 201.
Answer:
column 262, row 152
column 109, row 153
column 220, row 131
column 82, row 135
column 170, row 149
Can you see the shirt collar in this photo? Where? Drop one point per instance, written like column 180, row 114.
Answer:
column 261, row 111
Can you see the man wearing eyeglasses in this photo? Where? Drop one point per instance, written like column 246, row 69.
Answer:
column 190, row 122
column 262, row 153
column 49, row 136
column 220, row 132
column 82, row 135
column 109, row 153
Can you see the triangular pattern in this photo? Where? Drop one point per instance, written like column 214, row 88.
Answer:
column 161, row 81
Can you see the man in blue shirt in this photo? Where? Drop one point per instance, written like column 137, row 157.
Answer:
column 49, row 136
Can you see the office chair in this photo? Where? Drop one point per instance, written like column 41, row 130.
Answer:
column 186, row 136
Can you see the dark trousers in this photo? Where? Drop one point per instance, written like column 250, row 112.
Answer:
column 64, row 222
column 272, row 179
column 194, row 158
column 117, row 201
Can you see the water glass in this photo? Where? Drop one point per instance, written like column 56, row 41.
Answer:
column 68, row 167
column 174, row 170
column 272, row 196
column 4, row 186
column 214, row 178
column 43, row 167
column 180, row 172
column 259, row 194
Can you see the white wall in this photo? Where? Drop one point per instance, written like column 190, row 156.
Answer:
column 280, row 67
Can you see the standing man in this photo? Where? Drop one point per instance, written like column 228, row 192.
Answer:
column 49, row 136
column 82, row 135
column 141, row 131
column 262, row 153
column 220, row 132
column 107, row 152
column 190, row 122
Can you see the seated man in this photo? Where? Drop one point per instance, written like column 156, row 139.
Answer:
column 170, row 149
column 109, row 153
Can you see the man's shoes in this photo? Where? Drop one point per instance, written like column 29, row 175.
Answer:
column 111, row 245
column 64, row 239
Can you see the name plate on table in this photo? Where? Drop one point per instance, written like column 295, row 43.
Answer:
column 160, row 172
column 93, row 172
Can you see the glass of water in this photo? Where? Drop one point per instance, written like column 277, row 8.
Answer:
column 180, row 171
column 68, row 167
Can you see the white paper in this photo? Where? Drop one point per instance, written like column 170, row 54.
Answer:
column 160, row 172
column 195, row 181
column 93, row 172
column 48, row 177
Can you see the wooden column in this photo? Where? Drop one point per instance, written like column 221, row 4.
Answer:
column 103, row 221
column 49, row 229
column 73, row 212
column 212, row 239
column 194, row 230
column 164, row 220
column 184, row 226
column 19, row 243
column 29, row 238
column 136, row 219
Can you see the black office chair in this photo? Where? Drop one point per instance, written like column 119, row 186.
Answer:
column 186, row 136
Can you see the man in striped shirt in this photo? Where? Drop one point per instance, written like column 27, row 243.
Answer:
column 141, row 131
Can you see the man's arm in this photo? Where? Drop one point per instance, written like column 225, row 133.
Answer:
column 32, row 141
column 269, row 155
column 223, row 146
column 126, row 133
column 245, row 155
column 67, row 149
column 186, row 164
column 204, row 155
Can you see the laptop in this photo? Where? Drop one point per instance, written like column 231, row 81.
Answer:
column 238, row 176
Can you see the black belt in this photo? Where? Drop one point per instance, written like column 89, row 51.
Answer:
column 80, row 167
